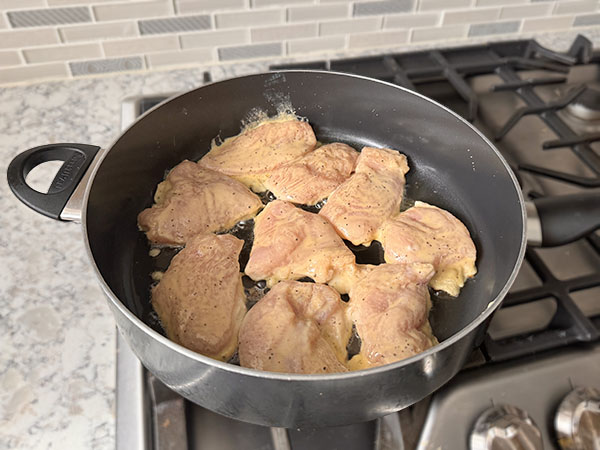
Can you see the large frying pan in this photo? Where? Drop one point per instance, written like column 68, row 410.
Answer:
column 452, row 165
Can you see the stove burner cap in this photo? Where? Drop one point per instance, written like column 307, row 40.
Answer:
column 587, row 105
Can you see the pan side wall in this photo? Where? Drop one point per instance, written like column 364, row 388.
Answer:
column 452, row 166
column 291, row 403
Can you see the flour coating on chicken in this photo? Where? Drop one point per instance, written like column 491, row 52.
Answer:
column 195, row 200
column 200, row 299
column 290, row 243
column 315, row 176
column 359, row 206
column 389, row 307
column 296, row 328
column 428, row 234
column 261, row 148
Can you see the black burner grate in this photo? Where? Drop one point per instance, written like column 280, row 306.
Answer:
column 580, row 145
column 421, row 70
column 455, row 65
column 569, row 324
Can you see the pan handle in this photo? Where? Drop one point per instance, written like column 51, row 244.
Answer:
column 77, row 158
column 564, row 218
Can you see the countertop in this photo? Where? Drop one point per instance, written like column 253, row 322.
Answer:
column 57, row 335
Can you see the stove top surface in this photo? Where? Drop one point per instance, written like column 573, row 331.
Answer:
column 540, row 109
column 521, row 96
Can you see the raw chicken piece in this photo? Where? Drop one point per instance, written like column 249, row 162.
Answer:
column 200, row 299
column 296, row 328
column 313, row 177
column 290, row 243
column 428, row 234
column 359, row 206
column 389, row 307
column 193, row 200
column 251, row 155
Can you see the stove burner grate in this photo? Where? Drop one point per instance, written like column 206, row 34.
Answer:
column 418, row 71
column 537, row 106
column 580, row 145
column 568, row 325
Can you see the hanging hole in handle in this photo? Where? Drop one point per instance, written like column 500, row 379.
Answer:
column 41, row 176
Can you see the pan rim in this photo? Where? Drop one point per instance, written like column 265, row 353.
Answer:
column 279, row 376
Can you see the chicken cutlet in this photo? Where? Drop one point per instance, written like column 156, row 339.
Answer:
column 193, row 200
column 428, row 234
column 200, row 299
column 251, row 155
column 296, row 328
column 389, row 307
column 290, row 243
column 359, row 206
column 315, row 176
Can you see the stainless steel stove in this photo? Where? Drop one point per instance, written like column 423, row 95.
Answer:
column 535, row 381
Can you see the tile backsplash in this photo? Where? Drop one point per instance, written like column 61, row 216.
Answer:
column 49, row 39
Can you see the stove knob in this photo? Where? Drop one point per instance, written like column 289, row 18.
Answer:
column 577, row 420
column 505, row 427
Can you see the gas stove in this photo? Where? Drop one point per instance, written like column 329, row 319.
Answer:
column 535, row 380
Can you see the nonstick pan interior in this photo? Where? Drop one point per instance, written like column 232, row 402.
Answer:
column 451, row 166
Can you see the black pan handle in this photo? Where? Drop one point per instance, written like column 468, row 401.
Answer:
column 77, row 158
column 566, row 218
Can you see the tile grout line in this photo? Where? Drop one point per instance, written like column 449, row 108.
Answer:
column 441, row 17
column 554, row 9
column 22, row 58
column 68, row 69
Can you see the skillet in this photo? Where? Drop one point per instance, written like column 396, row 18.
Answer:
column 453, row 166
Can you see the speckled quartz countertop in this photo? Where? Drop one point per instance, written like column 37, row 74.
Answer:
column 57, row 336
